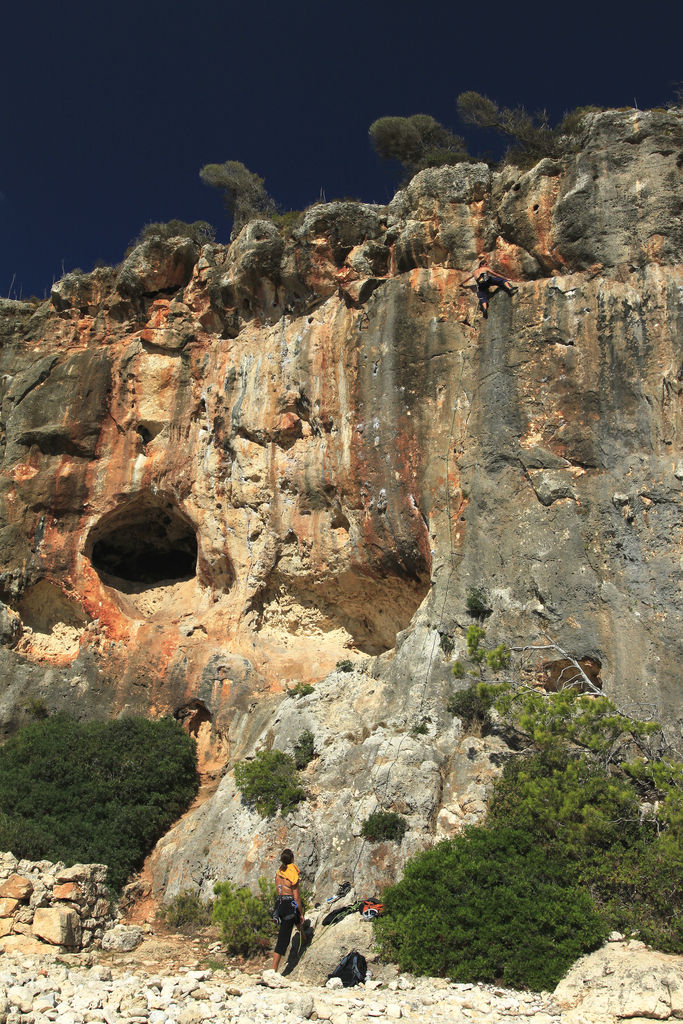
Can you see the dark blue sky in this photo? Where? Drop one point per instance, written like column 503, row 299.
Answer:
column 109, row 110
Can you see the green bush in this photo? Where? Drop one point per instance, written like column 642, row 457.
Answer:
column 572, row 121
column 300, row 690
column 561, row 797
column 35, row 707
column 270, row 782
column 245, row 920
column 94, row 792
column 592, row 814
column 288, row 220
column 446, row 643
column 477, row 604
column 532, row 135
column 304, row 749
column 384, row 825
column 186, row 911
column 472, row 707
column 417, row 142
column 493, row 906
column 570, row 717
column 495, row 657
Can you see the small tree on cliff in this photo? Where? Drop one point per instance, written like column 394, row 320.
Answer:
column 416, row 142
column 244, row 192
column 532, row 135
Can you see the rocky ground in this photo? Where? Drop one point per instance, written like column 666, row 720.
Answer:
column 177, row 980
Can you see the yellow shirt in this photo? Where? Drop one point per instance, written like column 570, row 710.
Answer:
column 291, row 873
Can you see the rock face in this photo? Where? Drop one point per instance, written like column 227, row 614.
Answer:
column 622, row 981
column 228, row 470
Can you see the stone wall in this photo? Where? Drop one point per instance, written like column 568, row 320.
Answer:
column 45, row 904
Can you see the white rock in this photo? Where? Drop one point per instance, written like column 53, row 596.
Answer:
column 301, row 1005
column 274, row 980
column 334, row 983
column 100, row 972
column 43, row 1002
column 122, row 938
column 21, row 998
column 394, row 1011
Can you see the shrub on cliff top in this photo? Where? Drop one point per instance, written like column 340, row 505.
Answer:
column 416, row 142
column 199, row 231
column 270, row 782
column 94, row 792
column 244, row 192
column 491, row 906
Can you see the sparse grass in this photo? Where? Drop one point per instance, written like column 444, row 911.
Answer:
column 186, row 912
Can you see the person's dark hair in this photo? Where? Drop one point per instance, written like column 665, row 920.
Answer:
column 286, row 857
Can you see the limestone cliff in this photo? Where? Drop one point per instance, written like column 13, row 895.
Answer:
column 225, row 470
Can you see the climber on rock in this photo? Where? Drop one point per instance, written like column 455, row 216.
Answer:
column 484, row 279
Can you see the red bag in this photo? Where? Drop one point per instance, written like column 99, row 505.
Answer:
column 370, row 909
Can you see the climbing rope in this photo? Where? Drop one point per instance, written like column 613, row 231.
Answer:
column 435, row 639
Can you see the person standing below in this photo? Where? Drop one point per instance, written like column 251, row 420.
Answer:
column 290, row 912
column 485, row 279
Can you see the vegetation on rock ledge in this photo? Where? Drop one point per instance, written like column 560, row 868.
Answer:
column 270, row 782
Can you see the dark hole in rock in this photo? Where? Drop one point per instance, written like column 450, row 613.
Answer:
column 145, row 435
column 562, row 674
column 339, row 521
column 192, row 716
column 147, row 430
column 148, row 540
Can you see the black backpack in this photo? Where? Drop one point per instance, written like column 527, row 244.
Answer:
column 352, row 970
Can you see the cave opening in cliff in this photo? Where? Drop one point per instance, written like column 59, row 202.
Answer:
column 147, row 541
